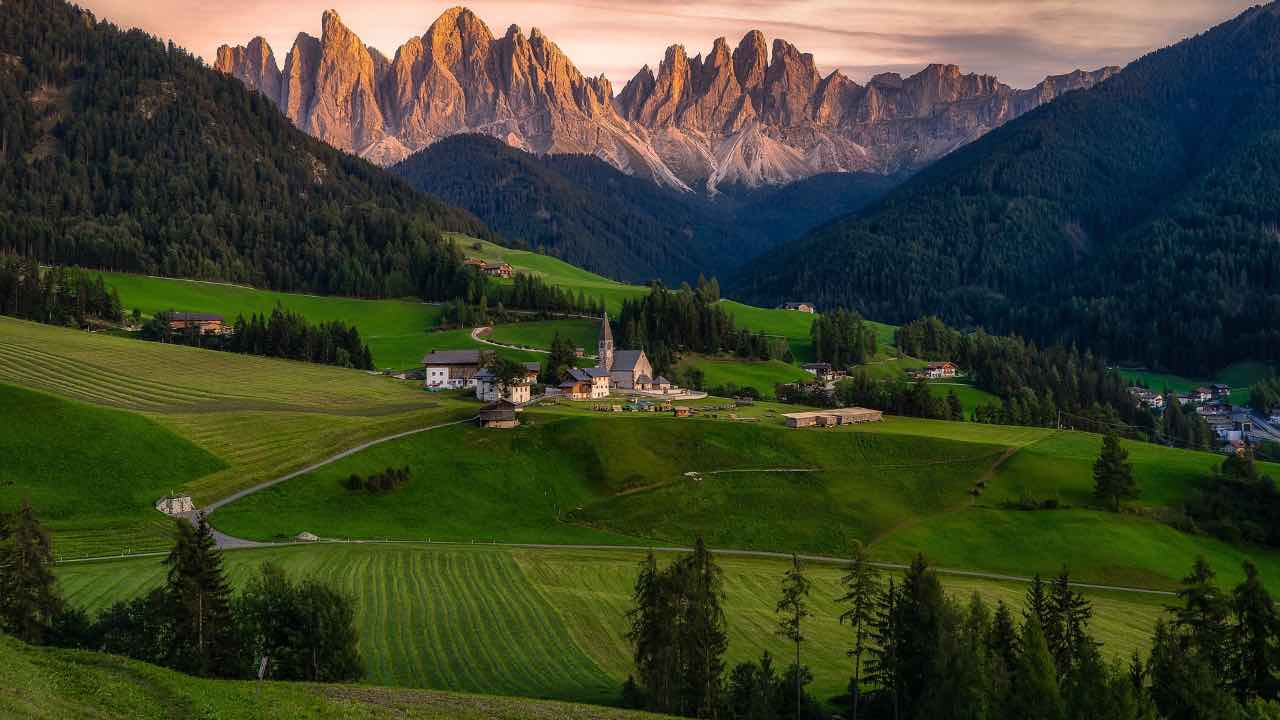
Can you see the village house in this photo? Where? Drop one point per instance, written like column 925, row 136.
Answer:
column 829, row 418
column 586, row 384
column 939, row 370
column 803, row 307
column 658, row 384
column 486, row 383
column 1147, row 398
column 500, row 269
column 1201, row 394
column 200, row 322
column 474, row 262
column 531, row 372
column 820, row 369
column 1221, row 391
column 452, row 369
column 500, row 414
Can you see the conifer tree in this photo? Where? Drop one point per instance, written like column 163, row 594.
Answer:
column 205, row 631
column 861, row 595
column 793, row 608
column 1067, row 632
column 1254, row 636
column 704, row 637
column 1204, row 615
column 29, row 598
column 1113, row 474
column 1035, row 694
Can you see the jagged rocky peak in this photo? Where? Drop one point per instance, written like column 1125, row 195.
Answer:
column 754, row 113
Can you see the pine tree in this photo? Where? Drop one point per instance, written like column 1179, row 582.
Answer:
column 29, row 598
column 1113, row 474
column 882, row 668
column 793, row 608
column 1035, row 694
column 205, row 630
column 648, row 633
column 704, row 637
column 1067, row 633
column 862, row 590
column 1204, row 615
column 1254, row 636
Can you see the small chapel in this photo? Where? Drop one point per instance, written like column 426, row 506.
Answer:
column 628, row 369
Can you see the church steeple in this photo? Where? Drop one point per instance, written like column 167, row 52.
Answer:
column 604, row 350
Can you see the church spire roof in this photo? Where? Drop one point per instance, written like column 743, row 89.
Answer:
column 606, row 334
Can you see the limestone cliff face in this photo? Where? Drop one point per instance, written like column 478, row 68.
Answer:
column 749, row 115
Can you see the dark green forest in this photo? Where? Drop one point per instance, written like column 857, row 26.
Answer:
column 1138, row 219
column 119, row 152
column 586, row 212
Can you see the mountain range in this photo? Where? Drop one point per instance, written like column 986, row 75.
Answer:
column 1139, row 218
column 749, row 115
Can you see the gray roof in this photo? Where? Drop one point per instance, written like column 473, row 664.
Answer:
column 193, row 317
column 532, row 366
column 626, row 360
column 644, row 379
column 661, row 381
column 452, row 357
column 485, row 374
column 606, row 335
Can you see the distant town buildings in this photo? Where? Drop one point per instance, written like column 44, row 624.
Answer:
column 494, row 269
column 487, row 388
column 799, row 307
column 939, row 370
column 200, row 322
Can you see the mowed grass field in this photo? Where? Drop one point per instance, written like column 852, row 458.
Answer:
column 38, row 683
column 393, row 329
column 550, row 623
column 539, row 334
column 91, row 470
column 259, row 417
column 903, row 485
column 763, row 375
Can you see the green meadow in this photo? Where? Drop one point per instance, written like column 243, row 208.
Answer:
column 393, row 329
column 41, row 683
column 539, row 334
column 549, row 623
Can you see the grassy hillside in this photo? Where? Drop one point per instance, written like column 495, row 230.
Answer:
column 259, row 417
column 583, row 333
column 40, row 683
column 575, row 477
column 553, row 270
column 393, row 329
column 761, row 375
column 550, row 622
column 91, row 470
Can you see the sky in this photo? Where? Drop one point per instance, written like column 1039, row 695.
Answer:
column 1020, row 41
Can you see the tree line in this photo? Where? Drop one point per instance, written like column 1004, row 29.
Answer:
column 56, row 295
column 842, row 338
column 667, row 322
column 915, row 652
column 281, row 334
column 192, row 622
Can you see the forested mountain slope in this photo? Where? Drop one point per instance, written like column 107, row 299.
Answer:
column 119, row 152
column 1140, row 218
column 588, row 213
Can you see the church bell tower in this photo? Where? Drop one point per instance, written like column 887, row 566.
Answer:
column 604, row 350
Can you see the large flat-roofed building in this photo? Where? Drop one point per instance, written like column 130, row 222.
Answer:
column 828, row 418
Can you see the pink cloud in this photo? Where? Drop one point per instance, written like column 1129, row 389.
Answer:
column 1019, row 40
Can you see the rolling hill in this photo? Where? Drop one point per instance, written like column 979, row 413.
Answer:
column 1136, row 218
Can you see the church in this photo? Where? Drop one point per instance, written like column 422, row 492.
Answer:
column 628, row 369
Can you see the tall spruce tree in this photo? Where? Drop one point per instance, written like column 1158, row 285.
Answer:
column 1068, row 633
column 1205, row 616
column 793, row 608
column 861, row 596
column 1113, row 474
column 921, row 623
column 205, row 632
column 1034, row 693
column 887, row 634
column 704, row 637
column 1254, row 636
column 29, row 598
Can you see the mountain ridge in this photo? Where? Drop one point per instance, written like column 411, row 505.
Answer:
column 752, row 115
column 1137, row 218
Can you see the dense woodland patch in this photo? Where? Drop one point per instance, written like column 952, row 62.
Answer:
column 1137, row 219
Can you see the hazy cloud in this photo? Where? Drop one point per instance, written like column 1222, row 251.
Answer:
column 1021, row 41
